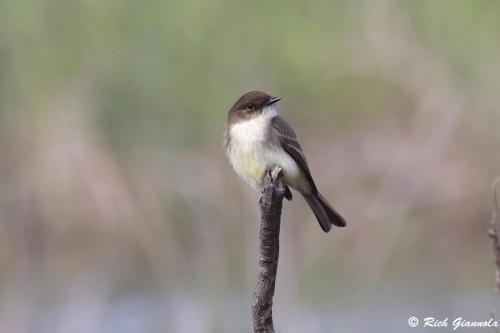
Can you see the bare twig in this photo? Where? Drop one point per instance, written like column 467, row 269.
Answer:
column 493, row 233
column 267, row 264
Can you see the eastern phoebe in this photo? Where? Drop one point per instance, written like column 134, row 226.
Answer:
column 257, row 139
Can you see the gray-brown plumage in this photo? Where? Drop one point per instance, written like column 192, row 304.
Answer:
column 258, row 139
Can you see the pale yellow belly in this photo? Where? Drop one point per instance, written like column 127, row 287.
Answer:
column 252, row 161
column 248, row 164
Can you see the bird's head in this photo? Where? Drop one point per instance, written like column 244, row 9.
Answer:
column 251, row 105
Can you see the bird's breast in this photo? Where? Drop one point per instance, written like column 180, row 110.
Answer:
column 247, row 148
column 251, row 152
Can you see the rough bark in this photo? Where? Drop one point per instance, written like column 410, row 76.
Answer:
column 493, row 233
column 267, row 264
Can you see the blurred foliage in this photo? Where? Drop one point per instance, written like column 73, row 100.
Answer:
column 116, row 201
column 166, row 71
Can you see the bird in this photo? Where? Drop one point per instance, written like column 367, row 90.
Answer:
column 257, row 139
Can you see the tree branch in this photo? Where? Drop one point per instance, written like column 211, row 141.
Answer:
column 267, row 264
column 493, row 233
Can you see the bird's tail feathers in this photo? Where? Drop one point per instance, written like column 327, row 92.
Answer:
column 324, row 212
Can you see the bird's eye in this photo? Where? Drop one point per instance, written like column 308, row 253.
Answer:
column 251, row 107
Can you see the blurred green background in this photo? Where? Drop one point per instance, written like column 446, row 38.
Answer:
column 119, row 212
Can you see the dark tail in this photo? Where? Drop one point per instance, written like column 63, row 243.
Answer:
column 325, row 214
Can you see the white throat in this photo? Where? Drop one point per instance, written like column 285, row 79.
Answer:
column 253, row 130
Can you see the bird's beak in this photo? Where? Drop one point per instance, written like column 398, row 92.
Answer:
column 272, row 100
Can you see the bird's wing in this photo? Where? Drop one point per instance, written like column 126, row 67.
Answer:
column 289, row 142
